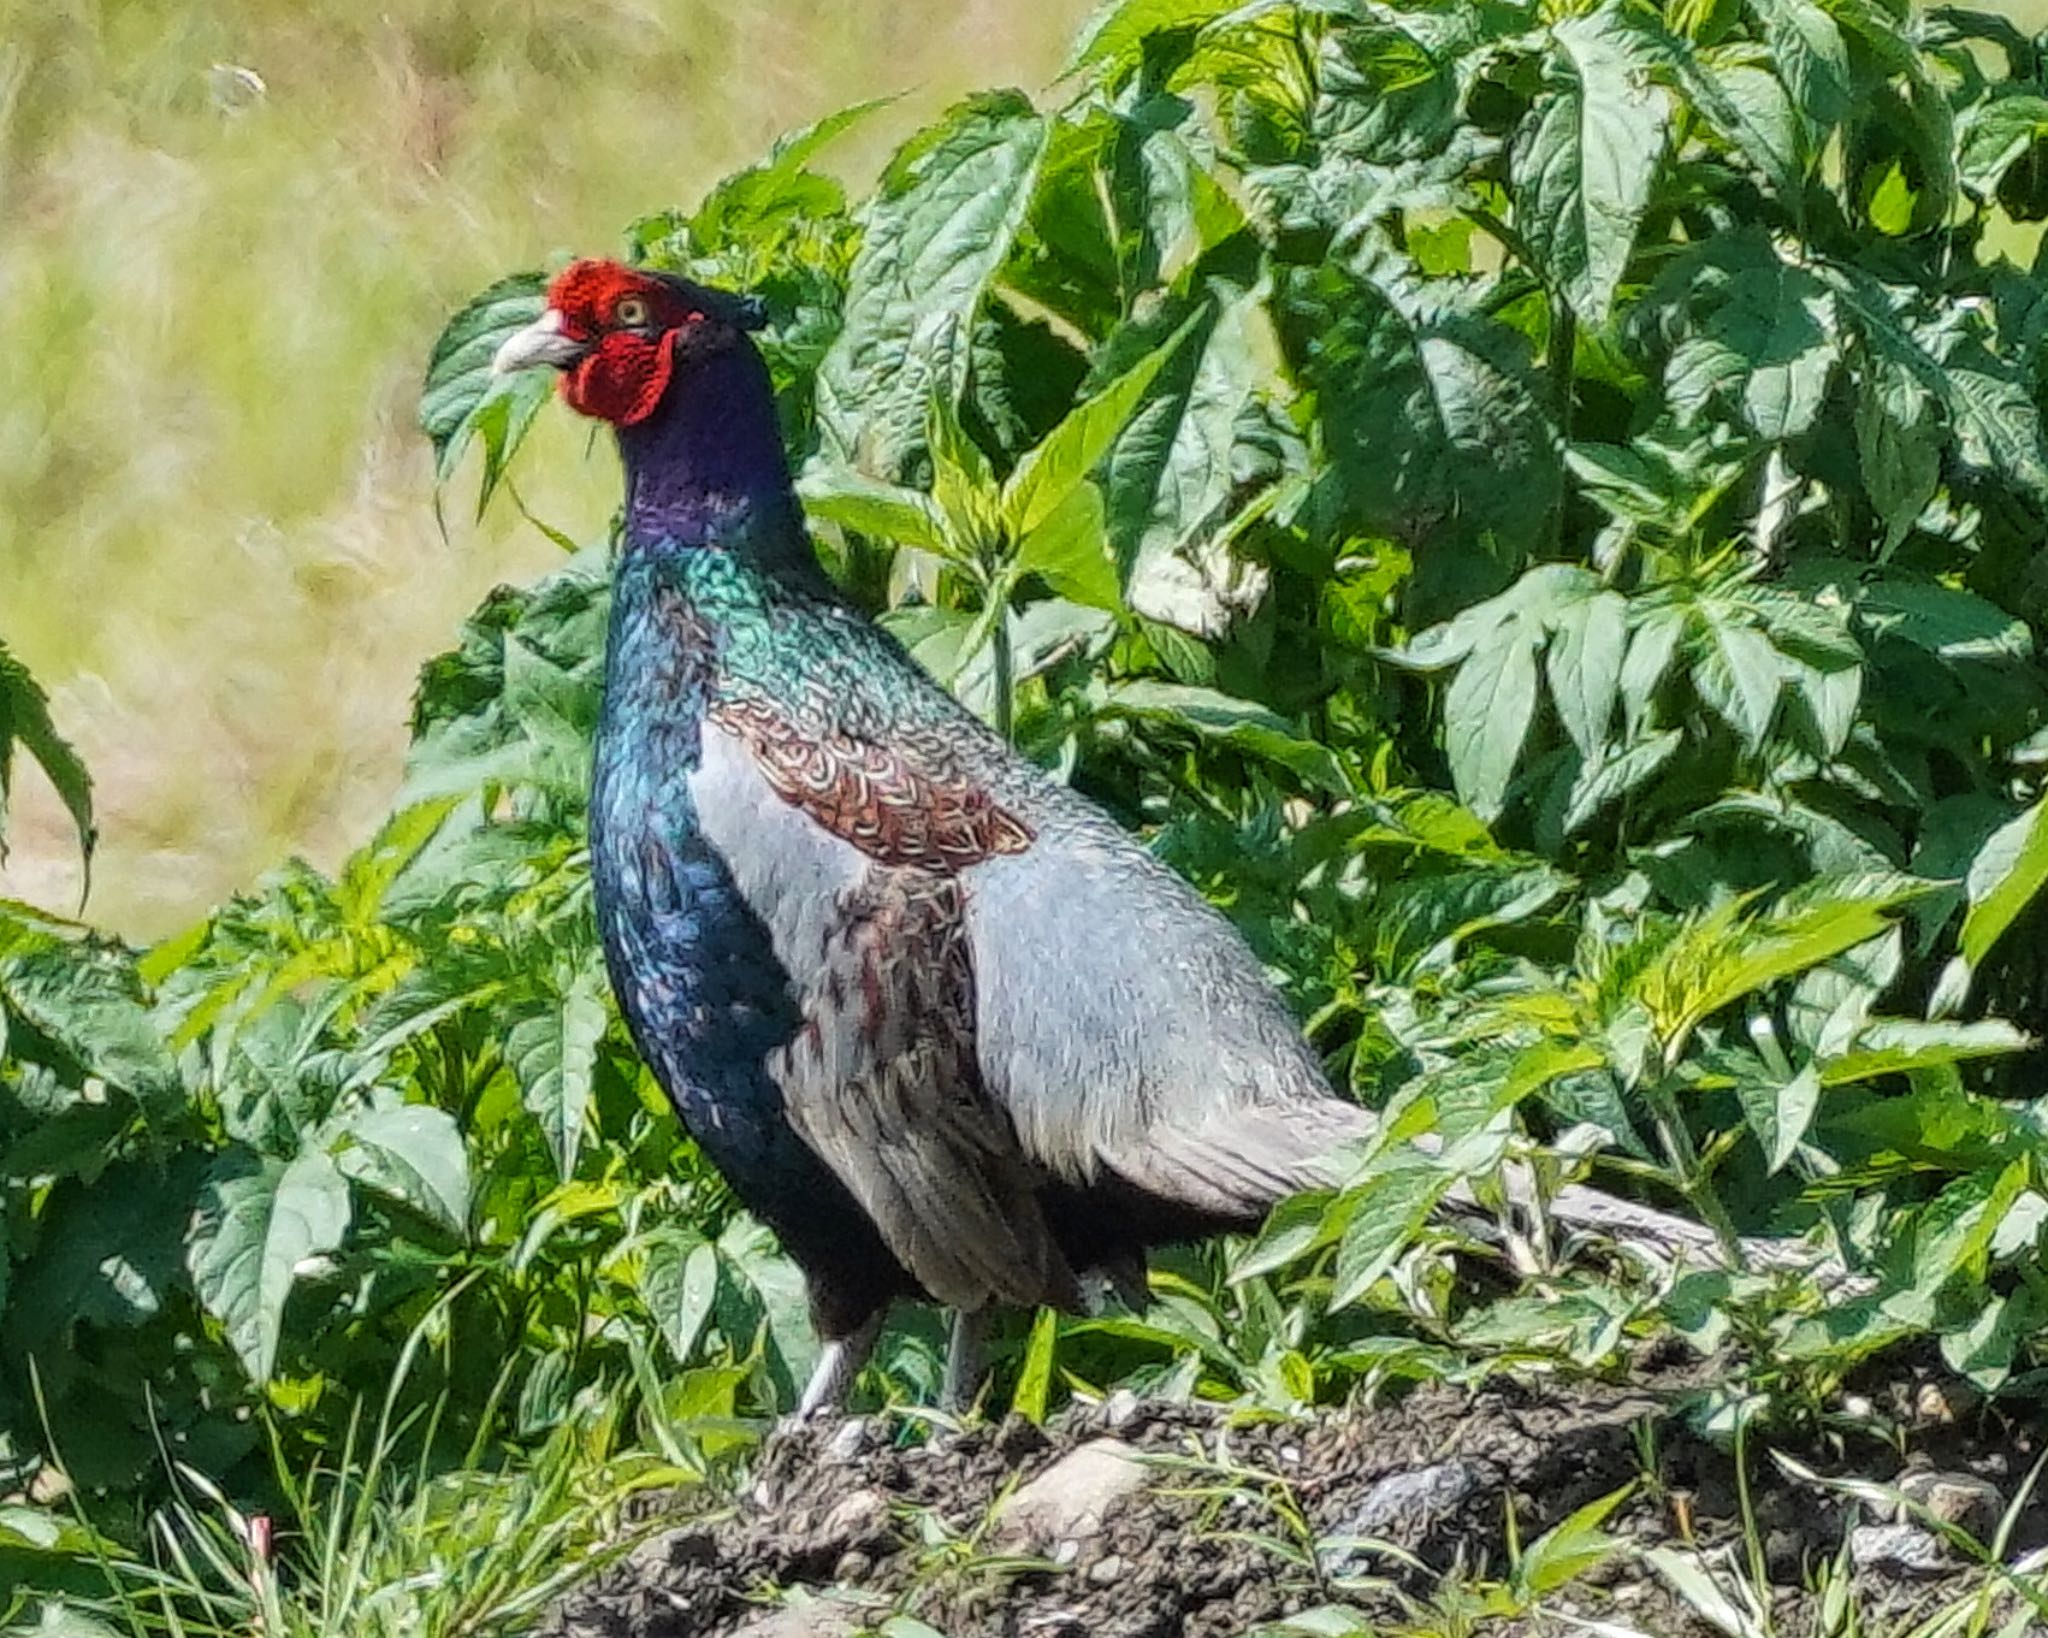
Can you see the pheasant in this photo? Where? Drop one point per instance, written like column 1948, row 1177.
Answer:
column 941, row 1023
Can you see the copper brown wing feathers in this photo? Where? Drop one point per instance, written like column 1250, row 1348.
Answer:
column 896, row 809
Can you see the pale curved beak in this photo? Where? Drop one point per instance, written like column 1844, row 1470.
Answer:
column 541, row 342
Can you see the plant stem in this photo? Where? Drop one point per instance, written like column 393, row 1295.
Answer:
column 1562, row 350
column 1686, row 1173
column 1004, row 664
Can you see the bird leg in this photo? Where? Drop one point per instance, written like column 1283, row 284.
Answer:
column 966, row 1359
column 839, row 1362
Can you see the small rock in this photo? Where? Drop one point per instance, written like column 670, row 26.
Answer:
column 1943, row 1403
column 1106, row 1572
column 1961, row 1499
column 857, row 1517
column 1899, row 1550
column 1784, row 1554
column 1066, row 1502
column 49, row 1486
column 819, row 1618
column 853, row 1566
column 1401, row 1508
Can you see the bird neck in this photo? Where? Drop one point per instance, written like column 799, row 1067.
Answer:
column 707, row 467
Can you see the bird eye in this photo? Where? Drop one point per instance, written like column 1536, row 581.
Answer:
column 630, row 312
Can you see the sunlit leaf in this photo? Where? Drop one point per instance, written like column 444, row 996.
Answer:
column 25, row 721
column 1588, row 158
column 940, row 225
column 679, row 1283
column 554, row 1053
column 463, row 401
column 260, row 1224
column 412, row 1154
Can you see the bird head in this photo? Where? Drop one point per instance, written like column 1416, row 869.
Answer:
column 622, row 336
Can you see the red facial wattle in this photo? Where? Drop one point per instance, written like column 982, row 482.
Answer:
column 623, row 377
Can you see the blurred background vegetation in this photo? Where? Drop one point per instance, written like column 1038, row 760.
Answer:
column 227, row 235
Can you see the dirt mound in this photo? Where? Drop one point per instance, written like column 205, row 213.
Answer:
column 1131, row 1520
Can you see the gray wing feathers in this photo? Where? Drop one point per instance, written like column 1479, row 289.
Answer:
column 1241, row 1162
column 882, row 1083
column 1122, row 1023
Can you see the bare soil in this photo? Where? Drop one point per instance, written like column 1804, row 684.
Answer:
column 1240, row 1523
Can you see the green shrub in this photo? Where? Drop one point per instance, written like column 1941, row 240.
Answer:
column 1536, row 513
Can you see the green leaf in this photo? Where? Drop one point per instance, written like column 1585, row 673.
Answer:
column 1744, row 104
column 1240, row 723
column 2007, row 874
column 1996, row 424
column 1033, row 1393
column 1993, row 134
column 25, row 721
column 1651, row 647
column 412, row 1154
column 1812, row 57
column 1982, row 1352
column 1069, row 548
column 1301, row 1224
column 1432, row 426
column 1614, row 776
column 1952, row 1234
column 89, row 1004
column 1899, row 442
column 1487, row 711
column 1177, row 482
column 1952, row 624
column 1050, row 471
column 750, row 210
column 1421, row 920
column 1389, row 1211
column 886, row 511
column 1725, row 955
column 1112, row 41
column 1587, row 159
column 1766, row 342
column 259, row 1223
column 1901, row 1046
column 940, row 225
column 963, row 484
column 1779, row 1115
column 1568, row 1549
column 679, row 1284
column 554, row 1054
column 1737, row 673
column 1583, row 665
column 777, row 1289
column 57, row 1619
column 1833, row 1002
column 109, row 1249
column 462, row 400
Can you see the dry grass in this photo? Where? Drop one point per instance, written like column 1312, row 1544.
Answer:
column 216, row 292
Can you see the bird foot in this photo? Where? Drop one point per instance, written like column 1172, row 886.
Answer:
column 966, row 1362
column 839, row 1362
